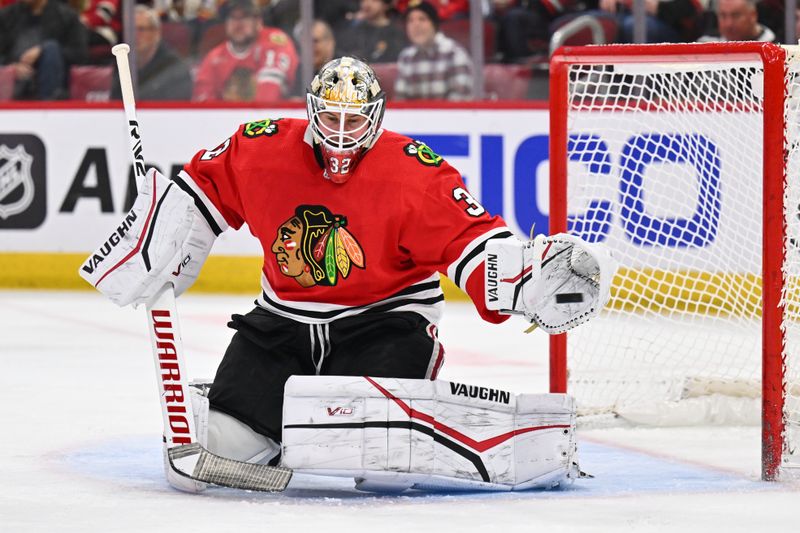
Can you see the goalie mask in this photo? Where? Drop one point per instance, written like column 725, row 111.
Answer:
column 345, row 108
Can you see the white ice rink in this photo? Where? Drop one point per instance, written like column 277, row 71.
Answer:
column 80, row 442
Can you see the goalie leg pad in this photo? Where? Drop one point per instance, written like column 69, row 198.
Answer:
column 232, row 439
column 392, row 434
column 224, row 435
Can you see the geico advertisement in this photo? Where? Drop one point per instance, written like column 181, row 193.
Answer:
column 66, row 177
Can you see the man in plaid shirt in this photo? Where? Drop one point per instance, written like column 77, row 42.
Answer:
column 435, row 66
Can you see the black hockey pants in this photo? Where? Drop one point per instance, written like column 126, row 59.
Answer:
column 266, row 349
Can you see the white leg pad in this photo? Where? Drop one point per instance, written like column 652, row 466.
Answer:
column 227, row 437
column 393, row 434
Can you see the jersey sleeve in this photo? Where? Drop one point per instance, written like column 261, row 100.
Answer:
column 448, row 231
column 211, row 181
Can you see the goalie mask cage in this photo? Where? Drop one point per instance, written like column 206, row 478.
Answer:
column 685, row 160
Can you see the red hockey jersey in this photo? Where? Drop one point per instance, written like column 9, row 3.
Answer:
column 375, row 243
column 272, row 60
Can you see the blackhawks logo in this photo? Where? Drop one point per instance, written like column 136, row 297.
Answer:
column 423, row 153
column 258, row 128
column 314, row 248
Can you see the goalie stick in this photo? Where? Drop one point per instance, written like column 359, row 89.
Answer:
column 185, row 454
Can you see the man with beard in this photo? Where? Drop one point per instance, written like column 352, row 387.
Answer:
column 373, row 35
column 267, row 53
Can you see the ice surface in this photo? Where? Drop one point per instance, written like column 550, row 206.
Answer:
column 80, row 442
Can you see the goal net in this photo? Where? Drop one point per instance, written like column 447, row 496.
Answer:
column 685, row 161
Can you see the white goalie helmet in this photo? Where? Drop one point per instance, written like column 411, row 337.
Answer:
column 345, row 107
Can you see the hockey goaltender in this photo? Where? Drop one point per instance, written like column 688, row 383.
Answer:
column 334, row 370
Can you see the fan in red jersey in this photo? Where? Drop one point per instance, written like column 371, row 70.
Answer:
column 357, row 224
column 266, row 55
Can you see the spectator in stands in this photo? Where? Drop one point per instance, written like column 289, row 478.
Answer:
column 797, row 24
column 185, row 10
column 434, row 66
column 323, row 49
column 737, row 20
column 103, row 20
column 666, row 20
column 41, row 39
column 445, row 9
column 523, row 25
column 772, row 14
column 336, row 13
column 372, row 35
column 323, row 44
column 268, row 53
column 285, row 14
column 161, row 73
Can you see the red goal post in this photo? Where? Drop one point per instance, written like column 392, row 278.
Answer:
column 635, row 117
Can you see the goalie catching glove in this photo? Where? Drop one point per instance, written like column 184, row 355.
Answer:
column 162, row 239
column 557, row 282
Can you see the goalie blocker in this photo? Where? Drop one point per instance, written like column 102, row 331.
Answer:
column 557, row 282
column 164, row 238
column 394, row 434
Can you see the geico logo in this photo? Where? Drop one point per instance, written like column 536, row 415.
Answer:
column 698, row 156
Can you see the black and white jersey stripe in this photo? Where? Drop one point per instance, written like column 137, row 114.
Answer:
column 206, row 207
column 425, row 298
column 462, row 268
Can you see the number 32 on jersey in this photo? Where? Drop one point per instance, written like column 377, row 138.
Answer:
column 474, row 208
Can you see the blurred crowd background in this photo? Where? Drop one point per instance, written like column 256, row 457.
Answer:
column 266, row 51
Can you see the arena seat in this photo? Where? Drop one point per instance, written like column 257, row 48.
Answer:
column 458, row 30
column 100, row 54
column 387, row 75
column 178, row 36
column 7, row 78
column 212, row 36
column 506, row 82
column 90, row 83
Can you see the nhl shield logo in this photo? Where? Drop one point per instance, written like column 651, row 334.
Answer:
column 16, row 181
column 23, row 181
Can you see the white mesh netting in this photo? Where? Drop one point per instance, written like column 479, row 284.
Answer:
column 665, row 166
